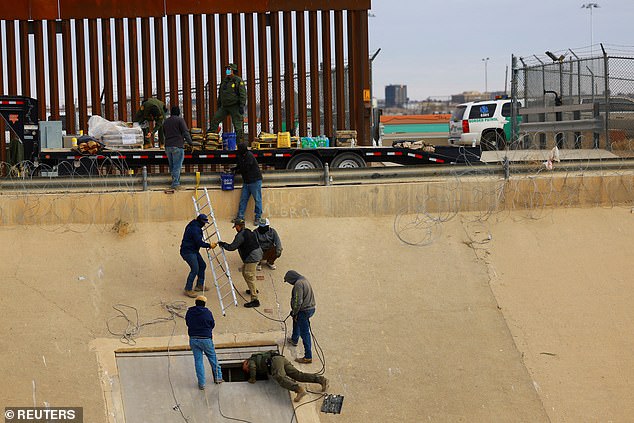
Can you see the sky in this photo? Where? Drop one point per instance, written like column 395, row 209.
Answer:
column 436, row 47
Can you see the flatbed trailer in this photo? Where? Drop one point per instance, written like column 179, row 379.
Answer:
column 20, row 113
column 281, row 158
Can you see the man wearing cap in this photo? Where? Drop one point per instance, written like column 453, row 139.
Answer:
column 270, row 243
column 263, row 364
column 250, row 252
column 152, row 111
column 200, row 323
column 192, row 242
column 302, row 309
column 232, row 97
column 176, row 134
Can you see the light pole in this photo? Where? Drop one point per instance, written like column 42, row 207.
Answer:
column 486, row 81
column 591, row 6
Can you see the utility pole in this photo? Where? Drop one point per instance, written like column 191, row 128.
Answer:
column 591, row 6
column 486, row 76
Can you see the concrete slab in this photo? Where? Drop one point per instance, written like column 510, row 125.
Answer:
column 147, row 381
column 505, row 315
column 543, row 155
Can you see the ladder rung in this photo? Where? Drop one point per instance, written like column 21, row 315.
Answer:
column 227, row 294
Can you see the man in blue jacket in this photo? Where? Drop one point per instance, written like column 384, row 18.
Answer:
column 190, row 246
column 200, row 323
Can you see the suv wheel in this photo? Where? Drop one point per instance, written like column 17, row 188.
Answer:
column 492, row 141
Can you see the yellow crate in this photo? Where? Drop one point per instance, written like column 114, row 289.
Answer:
column 262, row 145
column 283, row 140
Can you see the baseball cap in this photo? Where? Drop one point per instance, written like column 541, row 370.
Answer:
column 203, row 218
column 264, row 222
column 237, row 221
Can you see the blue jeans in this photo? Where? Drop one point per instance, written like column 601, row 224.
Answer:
column 301, row 327
column 200, row 347
column 254, row 189
column 197, row 267
column 175, row 157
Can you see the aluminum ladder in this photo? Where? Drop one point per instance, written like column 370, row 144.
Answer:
column 217, row 260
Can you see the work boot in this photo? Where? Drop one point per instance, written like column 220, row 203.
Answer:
column 201, row 387
column 301, row 393
column 271, row 266
column 190, row 294
column 201, row 288
column 252, row 303
column 258, row 267
column 304, row 360
column 324, row 384
column 147, row 145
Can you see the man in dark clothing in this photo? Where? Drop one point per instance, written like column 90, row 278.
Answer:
column 176, row 134
column 190, row 246
column 250, row 253
column 232, row 97
column 263, row 364
column 152, row 111
column 302, row 309
column 270, row 243
column 248, row 167
column 200, row 323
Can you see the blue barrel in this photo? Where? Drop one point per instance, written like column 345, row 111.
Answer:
column 226, row 181
column 229, row 141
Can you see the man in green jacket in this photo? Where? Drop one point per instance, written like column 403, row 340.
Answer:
column 262, row 364
column 153, row 111
column 232, row 97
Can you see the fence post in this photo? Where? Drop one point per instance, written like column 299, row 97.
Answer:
column 608, row 146
column 514, row 126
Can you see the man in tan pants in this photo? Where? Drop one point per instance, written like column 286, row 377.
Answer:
column 263, row 364
column 250, row 253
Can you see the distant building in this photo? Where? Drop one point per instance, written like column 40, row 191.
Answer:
column 395, row 95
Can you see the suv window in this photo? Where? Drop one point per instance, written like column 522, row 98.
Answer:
column 479, row 111
column 506, row 109
column 457, row 114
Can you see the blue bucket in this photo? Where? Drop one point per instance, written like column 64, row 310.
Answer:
column 226, row 181
column 229, row 141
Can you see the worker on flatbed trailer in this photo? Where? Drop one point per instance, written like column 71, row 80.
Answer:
column 153, row 113
column 232, row 97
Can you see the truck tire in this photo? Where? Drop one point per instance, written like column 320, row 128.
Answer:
column 492, row 140
column 304, row 161
column 347, row 161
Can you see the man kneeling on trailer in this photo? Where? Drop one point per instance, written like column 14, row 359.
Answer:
column 283, row 372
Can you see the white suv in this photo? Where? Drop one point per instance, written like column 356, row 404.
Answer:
column 486, row 123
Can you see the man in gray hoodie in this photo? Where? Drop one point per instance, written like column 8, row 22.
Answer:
column 302, row 309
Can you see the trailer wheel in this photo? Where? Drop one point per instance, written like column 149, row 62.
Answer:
column 304, row 161
column 348, row 160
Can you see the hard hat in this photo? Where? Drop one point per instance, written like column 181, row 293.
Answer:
column 201, row 298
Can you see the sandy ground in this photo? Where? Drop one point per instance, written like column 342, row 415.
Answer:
column 510, row 319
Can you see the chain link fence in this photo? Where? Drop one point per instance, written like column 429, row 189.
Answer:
column 574, row 102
